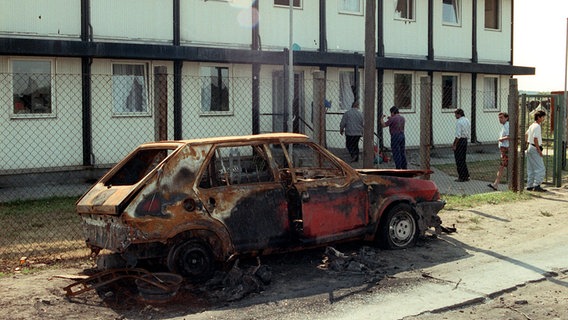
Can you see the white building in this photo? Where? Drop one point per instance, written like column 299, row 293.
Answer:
column 81, row 80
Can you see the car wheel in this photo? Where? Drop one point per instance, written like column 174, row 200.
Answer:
column 191, row 259
column 399, row 229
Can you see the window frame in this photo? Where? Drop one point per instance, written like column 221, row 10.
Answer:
column 496, row 13
column 52, row 83
column 456, row 5
column 486, row 92
column 410, row 4
column 202, row 76
column 455, row 92
column 410, row 98
column 342, row 10
column 287, row 5
column 145, row 90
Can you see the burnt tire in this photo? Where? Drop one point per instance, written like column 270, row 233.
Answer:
column 192, row 259
column 398, row 229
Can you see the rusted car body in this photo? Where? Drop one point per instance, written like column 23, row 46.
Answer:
column 192, row 204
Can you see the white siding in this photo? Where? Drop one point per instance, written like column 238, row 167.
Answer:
column 109, row 128
column 215, row 23
column 491, row 126
column 453, row 42
column 494, row 45
column 405, row 37
column 40, row 141
column 45, row 18
column 132, row 20
column 345, row 32
column 275, row 26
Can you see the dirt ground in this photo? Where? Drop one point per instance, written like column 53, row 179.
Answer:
column 298, row 286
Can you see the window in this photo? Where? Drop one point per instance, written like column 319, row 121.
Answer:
column 296, row 3
column 403, row 91
column 350, row 6
column 32, row 87
column 492, row 20
column 491, row 93
column 347, row 89
column 404, row 9
column 449, row 92
column 307, row 162
column 214, row 89
column 129, row 89
column 450, row 12
column 236, row 165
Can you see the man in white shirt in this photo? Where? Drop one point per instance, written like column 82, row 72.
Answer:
column 535, row 161
column 503, row 148
column 463, row 133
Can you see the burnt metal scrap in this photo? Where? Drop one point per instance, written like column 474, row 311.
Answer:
column 156, row 284
column 238, row 282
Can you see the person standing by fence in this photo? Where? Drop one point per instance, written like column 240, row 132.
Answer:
column 463, row 132
column 398, row 142
column 352, row 124
column 503, row 149
column 535, row 162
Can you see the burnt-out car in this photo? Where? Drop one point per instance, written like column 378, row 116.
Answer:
column 192, row 205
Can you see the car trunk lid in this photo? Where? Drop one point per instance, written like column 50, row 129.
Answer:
column 112, row 193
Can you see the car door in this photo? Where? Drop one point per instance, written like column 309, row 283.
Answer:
column 239, row 189
column 333, row 203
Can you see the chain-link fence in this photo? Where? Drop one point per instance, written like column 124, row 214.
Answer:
column 55, row 145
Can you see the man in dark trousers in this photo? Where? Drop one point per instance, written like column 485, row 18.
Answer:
column 352, row 124
column 398, row 143
column 463, row 133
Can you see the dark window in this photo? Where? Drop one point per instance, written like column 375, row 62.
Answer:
column 449, row 92
column 403, row 90
column 296, row 3
column 492, row 20
column 215, row 89
column 31, row 86
column 405, row 9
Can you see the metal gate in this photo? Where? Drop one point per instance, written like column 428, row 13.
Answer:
column 553, row 135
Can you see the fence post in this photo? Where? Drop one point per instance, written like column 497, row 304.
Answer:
column 319, row 107
column 425, row 124
column 161, row 103
column 513, row 168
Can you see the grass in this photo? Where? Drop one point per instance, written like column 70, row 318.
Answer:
column 45, row 231
column 464, row 202
column 486, row 170
column 480, row 170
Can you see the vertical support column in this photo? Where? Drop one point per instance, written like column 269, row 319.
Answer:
column 425, row 123
column 514, row 169
column 178, row 133
column 86, row 111
column 255, row 46
column 86, row 105
column 319, row 107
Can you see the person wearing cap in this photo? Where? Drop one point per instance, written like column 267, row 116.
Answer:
column 398, row 142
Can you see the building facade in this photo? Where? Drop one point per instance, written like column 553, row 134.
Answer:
column 85, row 81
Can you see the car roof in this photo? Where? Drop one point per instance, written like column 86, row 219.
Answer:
column 247, row 138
